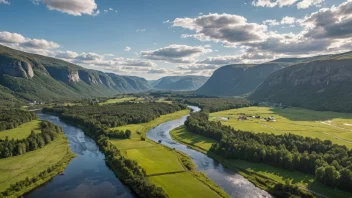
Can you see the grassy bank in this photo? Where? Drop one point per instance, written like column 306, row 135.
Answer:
column 21, row 132
column 164, row 166
column 16, row 169
column 333, row 126
column 263, row 176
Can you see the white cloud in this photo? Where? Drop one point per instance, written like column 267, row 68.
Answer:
column 140, row 30
column 273, row 3
column 226, row 28
column 288, row 20
column 5, row 2
column 8, row 37
column 271, row 22
column 40, row 44
column 127, row 49
column 307, row 3
column 66, row 54
column 90, row 56
column 72, row 7
column 176, row 53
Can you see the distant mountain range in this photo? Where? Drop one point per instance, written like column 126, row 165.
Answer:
column 322, row 83
column 179, row 83
column 25, row 76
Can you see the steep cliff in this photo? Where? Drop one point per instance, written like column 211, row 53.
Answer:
column 323, row 84
column 179, row 83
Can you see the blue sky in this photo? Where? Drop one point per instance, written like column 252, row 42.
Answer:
column 155, row 38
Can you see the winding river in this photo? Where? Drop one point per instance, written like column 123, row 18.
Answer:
column 88, row 176
column 233, row 183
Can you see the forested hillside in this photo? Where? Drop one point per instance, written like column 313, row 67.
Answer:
column 31, row 77
column 179, row 83
column 323, row 84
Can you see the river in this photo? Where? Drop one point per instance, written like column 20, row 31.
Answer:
column 86, row 175
column 233, row 183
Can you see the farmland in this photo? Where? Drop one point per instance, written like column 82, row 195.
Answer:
column 21, row 132
column 255, row 171
column 333, row 126
column 163, row 165
column 118, row 100
column 18, row 168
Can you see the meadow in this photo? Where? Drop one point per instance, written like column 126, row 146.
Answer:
column 333, row 126
column 117, row 100
column 18, row 168
column 257, row 173
column 163, row 165
column 21, row 132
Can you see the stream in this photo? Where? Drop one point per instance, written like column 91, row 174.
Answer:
column 233, row 183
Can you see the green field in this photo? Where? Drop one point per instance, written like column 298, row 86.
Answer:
column 117, row 100
column 333, row 126
column 29, row 165
column 253, row 171
column 162, row 164
column 22, row 131
column 183, row 185
column 155, row 159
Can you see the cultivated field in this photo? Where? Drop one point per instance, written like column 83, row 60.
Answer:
column 29, row 165
column 22, row 131
column 333, row 126
column 255, row 171
column 162, row 164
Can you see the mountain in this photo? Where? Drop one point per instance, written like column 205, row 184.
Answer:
column 31, row 77
column 322, row 84
column 179, row 83
column 241, row 79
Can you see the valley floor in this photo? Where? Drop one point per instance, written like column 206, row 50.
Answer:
column 163, row 165
column 260, row 174
column 333, row 126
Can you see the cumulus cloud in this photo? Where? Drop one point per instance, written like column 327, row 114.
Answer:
column 39, row 44
column 288, row 20
column 273, row 3
column 307, row 3
column 127, row 49
column 4, row 2
column 334, row 22
column 271, row 22
column 66, row 54
column 72, row 7
column 8, row 37
column 225, row 28
column 176, row 53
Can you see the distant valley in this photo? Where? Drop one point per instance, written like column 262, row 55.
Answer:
column 179, row 83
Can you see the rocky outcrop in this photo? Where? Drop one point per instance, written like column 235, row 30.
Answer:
column 63, row 74
column 16, row 68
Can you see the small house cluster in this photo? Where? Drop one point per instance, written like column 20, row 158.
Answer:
column 245, row 117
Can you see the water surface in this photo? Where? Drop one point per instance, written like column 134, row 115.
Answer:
column 86, row 175
column 233, row 183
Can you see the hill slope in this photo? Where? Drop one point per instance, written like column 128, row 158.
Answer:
column 34, row 77
column 179, row 83
column 236, row 80
column 322, row 84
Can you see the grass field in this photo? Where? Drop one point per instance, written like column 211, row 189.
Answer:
column 29, row 165
column 333, row 126
column 22, row 131
column 252, row 171
column 162, row 164
column 117, row 100
column 183, row 185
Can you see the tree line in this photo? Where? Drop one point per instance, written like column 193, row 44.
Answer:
column 218, row 104
column 96, row 122
column 10, row 119
column 330, row 163
column 34, row 141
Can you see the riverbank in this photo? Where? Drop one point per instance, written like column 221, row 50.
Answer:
column 34, row 168
column 164, row 166
column 263, row 176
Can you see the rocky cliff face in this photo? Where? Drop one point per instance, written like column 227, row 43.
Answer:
column 16, row 68
column 323, row 85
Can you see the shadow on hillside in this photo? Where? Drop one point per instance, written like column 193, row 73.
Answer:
column 298, row 114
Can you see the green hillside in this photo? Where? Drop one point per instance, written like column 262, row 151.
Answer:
column 179, row 83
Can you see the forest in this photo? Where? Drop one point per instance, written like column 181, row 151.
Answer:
column 218, row 104
column 10, row 119
column 34, row 141
column 330, row 163
column 96, row 121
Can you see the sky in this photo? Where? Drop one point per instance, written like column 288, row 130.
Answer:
column 156, row 38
